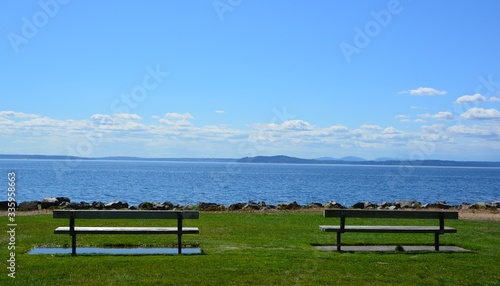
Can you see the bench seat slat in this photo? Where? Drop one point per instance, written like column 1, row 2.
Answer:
column 127, row 230
column 388, row 229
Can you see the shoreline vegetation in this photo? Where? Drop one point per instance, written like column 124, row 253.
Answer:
column 278, row 159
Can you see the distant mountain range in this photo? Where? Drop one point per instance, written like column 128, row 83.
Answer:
column 351, row 160
column 279, row 159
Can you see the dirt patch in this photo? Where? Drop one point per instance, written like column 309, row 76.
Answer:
column 479, row 215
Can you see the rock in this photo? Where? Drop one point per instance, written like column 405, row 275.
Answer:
column 98, row 205
column 465, row 206
column 385, row 205
column 166, row 206
column 289, row 206
column 63, row 200
column 334, row 205
column 236, row 207
column 116, row 205
column 146, row 206
column 208, row 206
column 50, row 203
column 187, row 207
column 443, row 205
column 369, row 205
column 4, row 205
column 29, row 206
column 316, row 205
column 478, row 206
column 251, row 206
column 406, row 204
column 391, row 208
column 359, row 205
column 491, row 206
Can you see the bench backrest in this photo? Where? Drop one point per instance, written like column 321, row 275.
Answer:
column 390, row 214
column 125, row 214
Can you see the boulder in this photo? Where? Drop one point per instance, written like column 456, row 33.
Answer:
column 28, row 206
column 289, row 206
column 406, row 204
column 4, row 205
column 208, row 206
column 443, row 205
column 360, row 205
column 334, row 205
column 98, row 205
column 48, row 203
column 316, row 205
column 465, row 206
column 116, row 205
column 146, row 206
column 251, row 206
column 236, row 206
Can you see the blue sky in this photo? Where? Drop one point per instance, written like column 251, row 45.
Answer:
column 235, row 78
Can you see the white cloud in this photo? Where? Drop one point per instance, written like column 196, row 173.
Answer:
column 391, row 130
column 102, row 119
column 287, row 125
column 424, row 91
column 442, row 115
column 220, row 111
column 14, row 114
column 370, row 127
column 470, row 98
column 128, row 116
column 121, row 133
column 474, row 130
column 174, row 115
column 494, row 99
column 481, row 113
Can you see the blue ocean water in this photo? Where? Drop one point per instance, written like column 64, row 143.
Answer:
column 225, row 183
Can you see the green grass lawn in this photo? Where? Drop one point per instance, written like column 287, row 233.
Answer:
column 254, row 249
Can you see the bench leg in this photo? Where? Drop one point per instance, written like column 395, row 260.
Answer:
column 73, row 245
column 179, row 241
column 436, row 241
column 338, row 241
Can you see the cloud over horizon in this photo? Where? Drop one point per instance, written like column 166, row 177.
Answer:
column 117, row 134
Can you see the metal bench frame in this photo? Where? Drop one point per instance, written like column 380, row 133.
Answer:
column 343, row 214
column 73, row 230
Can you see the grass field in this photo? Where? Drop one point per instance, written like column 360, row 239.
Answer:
column 254, row 249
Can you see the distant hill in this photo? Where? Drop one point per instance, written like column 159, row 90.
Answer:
column 348, row 159
column 351, row 160
column 277, row 159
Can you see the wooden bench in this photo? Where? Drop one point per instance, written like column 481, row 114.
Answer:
column 73, row 230
column 343, row 214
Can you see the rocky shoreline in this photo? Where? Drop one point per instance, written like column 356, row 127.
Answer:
column 66, row 203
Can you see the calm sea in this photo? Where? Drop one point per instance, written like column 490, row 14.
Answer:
column 225, row 183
